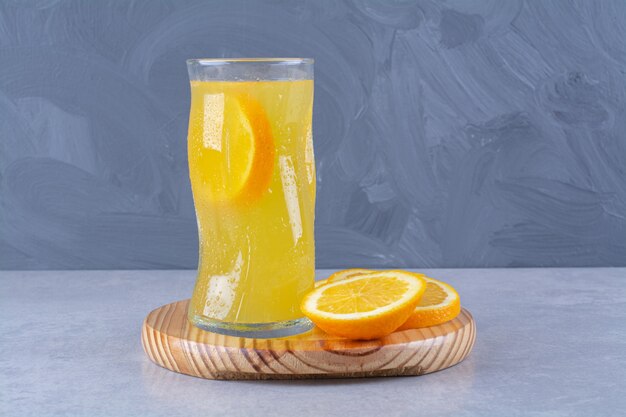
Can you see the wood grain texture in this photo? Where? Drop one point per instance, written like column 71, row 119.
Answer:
column 173, row 343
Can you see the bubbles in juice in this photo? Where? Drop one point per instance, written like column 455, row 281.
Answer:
column 252, row 174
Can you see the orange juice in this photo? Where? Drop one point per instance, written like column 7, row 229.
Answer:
column 253, row 180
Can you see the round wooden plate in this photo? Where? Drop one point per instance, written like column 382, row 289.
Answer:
column 173, row 343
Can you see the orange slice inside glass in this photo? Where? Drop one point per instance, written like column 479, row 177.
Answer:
column 231, row 150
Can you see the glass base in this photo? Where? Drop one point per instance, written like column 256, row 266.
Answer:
column 252, row 330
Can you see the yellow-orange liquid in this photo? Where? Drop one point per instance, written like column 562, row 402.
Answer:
column 257, row 256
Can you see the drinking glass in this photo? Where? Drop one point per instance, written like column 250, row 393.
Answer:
column 252, row 174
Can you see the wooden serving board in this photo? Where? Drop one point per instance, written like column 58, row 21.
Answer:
column 173, row 343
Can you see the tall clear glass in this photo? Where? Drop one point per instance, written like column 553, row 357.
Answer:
column 252, row 175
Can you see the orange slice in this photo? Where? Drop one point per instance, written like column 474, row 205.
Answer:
column 321, row 282
column 347, row 273
column 231, row 149
column 366, row 306
column 339, row 275
column 440, row 303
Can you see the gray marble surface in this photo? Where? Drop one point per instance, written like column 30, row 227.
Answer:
column 551, row 342
column 457, row 133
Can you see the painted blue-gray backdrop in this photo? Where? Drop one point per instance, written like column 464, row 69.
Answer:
column 447, row 134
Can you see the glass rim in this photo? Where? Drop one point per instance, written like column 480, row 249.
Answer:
column 273, row 61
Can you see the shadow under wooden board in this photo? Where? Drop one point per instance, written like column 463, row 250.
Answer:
column 173, row 343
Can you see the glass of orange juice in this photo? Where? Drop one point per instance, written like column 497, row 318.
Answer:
column 252, row 175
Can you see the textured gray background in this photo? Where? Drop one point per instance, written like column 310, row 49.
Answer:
column 447, row 134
